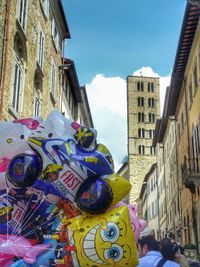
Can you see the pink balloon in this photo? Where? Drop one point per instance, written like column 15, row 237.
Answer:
column 11, row 246
column 138, row 225
column 6, row 260
column 3, row 164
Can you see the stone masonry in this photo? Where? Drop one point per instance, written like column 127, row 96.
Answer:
column 29, row 38
column 140, row 92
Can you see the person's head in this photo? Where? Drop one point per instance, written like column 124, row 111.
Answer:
column 173, row 241
column 170, row 252
column 147, row 244
column 164, row 241
column 147, row 231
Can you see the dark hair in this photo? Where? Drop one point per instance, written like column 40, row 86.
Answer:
column 164, row 241
column 151, row 243
column 168, row 251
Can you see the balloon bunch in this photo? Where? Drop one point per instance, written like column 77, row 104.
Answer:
column 60, row 198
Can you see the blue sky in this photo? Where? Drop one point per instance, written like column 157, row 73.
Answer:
column 115, row 37
column 111, row 39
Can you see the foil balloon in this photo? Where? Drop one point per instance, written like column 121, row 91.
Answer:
column 12, row 246
column 86, row 137
column 55, row 126
column 103, row 240
column 116, row 181
column 66, row 165
column 3, row 164
column 94, row 196
column 138, row 225
column 14, row 136
column 23, row 170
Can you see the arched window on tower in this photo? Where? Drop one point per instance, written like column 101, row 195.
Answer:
column 141, row 149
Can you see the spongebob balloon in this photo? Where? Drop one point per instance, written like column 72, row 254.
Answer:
column 103, row 240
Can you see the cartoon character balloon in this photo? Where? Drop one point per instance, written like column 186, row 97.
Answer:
column 56, row 185
column 14, row 136
column 103, row 240
column 138, row 225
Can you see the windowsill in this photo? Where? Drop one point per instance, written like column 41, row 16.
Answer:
column 13, row 113
column 21, row 30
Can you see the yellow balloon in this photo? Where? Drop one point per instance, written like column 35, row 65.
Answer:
column 103, row 240
column 120, row 187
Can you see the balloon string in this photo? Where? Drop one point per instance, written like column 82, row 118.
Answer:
column 30, row 211
column 33, row 231
column 28, row 219
column 17, row 227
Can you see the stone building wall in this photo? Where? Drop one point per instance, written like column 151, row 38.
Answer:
column 139, row 164
column 35, row 20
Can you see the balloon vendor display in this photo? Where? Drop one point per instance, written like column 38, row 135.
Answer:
column 60, row 203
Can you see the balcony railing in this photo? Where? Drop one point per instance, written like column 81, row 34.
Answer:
column 191, row 174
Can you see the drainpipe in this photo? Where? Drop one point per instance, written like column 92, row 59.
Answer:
column 8, row 9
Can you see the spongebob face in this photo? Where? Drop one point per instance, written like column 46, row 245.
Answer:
column 104, row 240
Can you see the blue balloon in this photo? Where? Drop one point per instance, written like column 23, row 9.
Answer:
column 94, row 196
column 24, row 169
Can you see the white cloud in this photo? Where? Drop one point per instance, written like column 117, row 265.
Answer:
column 107, row 99
column 146, row 72
column 108, row 103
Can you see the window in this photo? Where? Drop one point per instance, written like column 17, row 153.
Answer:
column 150, row 87
column 140, row 117
column 45, row 7
column 152, row 150
column 151, row 117
column 151, row 102
column 55, row 35
column 141, row 149
column 53, row 78
column 140, row 101
column 195, row 78
column 140, row 86
column 17, row 85
column 37, row 93
column 37, row 104
column 40, row 53
column 22, row 13
column 141, row 132
column 151, row 133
